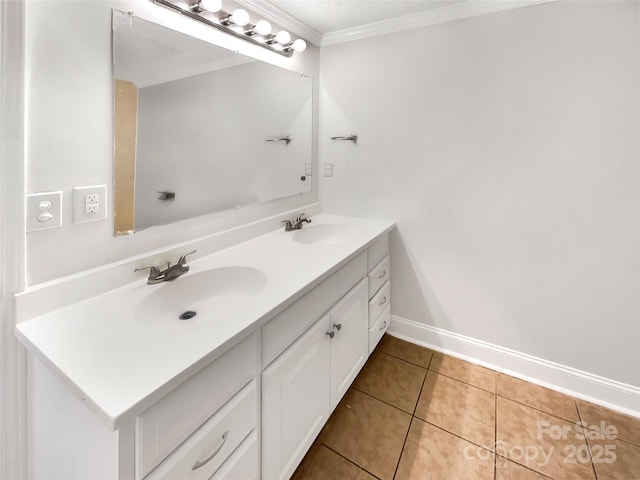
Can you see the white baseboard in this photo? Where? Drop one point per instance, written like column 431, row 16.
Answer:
column 587, row 386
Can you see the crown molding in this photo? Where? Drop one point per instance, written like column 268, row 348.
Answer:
column 465, row 9
column 276, row 15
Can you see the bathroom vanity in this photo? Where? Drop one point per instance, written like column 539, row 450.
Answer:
column 283, row 324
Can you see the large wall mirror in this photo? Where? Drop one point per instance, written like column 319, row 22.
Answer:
column 199, row 128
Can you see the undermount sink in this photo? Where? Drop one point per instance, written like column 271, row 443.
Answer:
column 327, row 233
column 212, row 295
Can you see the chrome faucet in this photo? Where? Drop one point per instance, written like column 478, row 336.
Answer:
column 295, row 224
column 170, row 273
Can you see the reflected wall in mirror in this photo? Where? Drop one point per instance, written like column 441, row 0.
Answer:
column 193, row 124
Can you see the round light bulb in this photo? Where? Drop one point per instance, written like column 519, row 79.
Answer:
column 239, row 17
column 299, row 45
column 262, row 27
column 210, row 5
column 283, row 37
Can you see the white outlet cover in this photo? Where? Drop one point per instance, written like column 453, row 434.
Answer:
column 328, row 169
column 80, row 214
column 34, row 208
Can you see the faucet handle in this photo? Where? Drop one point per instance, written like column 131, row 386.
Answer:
column 153, row 270
column 183, row 259
column 155, row 275
column 300, row 217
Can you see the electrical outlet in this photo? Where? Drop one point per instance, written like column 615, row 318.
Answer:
column 91, row 208
column 89, row 203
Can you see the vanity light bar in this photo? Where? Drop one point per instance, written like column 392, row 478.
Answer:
column 236, row 23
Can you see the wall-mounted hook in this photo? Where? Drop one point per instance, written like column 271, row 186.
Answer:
column 286, row 139
column 352, row 137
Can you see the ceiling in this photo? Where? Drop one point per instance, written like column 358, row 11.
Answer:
column 326, row 22
column 329, row 16
column 146, row 53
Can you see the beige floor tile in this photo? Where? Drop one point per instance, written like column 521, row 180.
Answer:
column 391, row 380
column 320, row 463
column 615, row 459
column 548, row 401
column 433, row 454
column 406, row 351
column 368, row 432
column 540, row 441
column 459, row 408
column 601, row 418
column 464, row 371
column 508, row 470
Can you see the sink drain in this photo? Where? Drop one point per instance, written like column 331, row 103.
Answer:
column 187, row 315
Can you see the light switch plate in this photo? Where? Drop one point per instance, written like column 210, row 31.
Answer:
column 89, row 203
column 328, row 169
column 43, row 210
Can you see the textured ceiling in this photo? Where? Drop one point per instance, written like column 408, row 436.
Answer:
column 146, row 53
column 327, row 16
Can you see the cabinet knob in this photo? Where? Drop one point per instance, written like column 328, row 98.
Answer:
column 384, row 325
column 337, row 326
column 383, row 273
column 383, row 301
column 331, row 334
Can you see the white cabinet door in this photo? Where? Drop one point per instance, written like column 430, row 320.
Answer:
column 350, row 345
column 295, row 401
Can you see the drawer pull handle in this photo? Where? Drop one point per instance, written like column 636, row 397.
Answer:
column 383, row 301
column 338, row 326
column 331, row 334
column 384, row 325
column 383, row 274
column 202, row 463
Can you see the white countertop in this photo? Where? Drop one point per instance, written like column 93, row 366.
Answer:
column 120, row 365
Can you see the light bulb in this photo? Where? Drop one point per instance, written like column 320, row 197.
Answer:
column 283, row 37
column 299, row 45
column 210, row 5
column 240, row 17
column 262, row 27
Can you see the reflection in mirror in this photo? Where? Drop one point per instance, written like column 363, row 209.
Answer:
column 199, row 128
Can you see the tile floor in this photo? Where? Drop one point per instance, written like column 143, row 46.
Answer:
column 417, row 414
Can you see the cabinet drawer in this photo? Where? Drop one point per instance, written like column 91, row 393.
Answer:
column 204, row 451
column 165, row 425
column 280, row 332
column 243, row 464
column 379, row 302
column 377, row 252
column 377, row 331
column 378, row 275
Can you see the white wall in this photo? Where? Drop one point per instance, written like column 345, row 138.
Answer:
column 221, row 160
column 69, row 130
column 506, row 147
